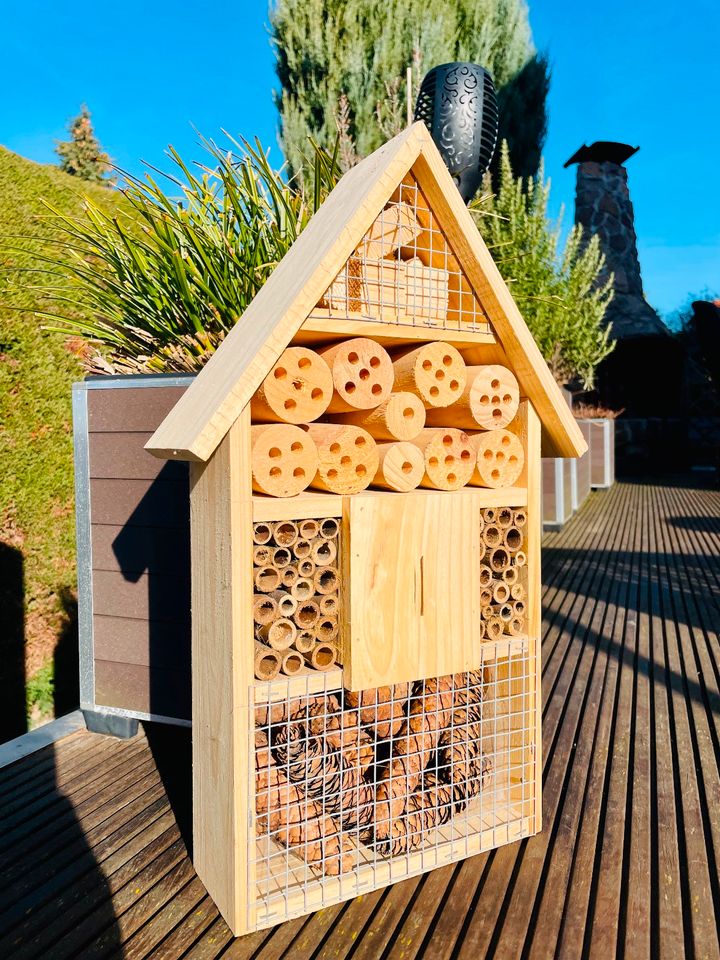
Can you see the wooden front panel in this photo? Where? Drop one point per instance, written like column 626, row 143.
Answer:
column 414, row 606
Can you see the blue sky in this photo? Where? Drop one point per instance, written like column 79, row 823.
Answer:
column 643, row 72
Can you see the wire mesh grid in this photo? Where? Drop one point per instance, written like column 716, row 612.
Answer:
column 404, row 272
column 354, row 791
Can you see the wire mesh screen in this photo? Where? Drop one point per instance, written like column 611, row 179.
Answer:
column 356, row 790
column 404, row 272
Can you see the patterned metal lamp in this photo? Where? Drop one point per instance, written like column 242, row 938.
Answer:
column 457, row 102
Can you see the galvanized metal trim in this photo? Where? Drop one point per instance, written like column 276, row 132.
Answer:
column 84, row 544
column 139, row 715
column 41, row 737
column 132, row 382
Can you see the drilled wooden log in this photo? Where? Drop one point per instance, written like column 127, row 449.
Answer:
column 402, row 467
column 292, row 663
column 323, row 656
column 267, row 662
column 284, row 459
column 285, row 533
column 323, row 552
column 326, row 580
column 449, row 458
column 262, row 533
column 499, row 458
column 298, row 389
column 306, row 615
column 435, row 372
column 347, row 458
column 513, row 539
column 400, row 417
column 279, row 634
column 362, row 374
column 489, row 400
column 266, row 579
column 265, row 608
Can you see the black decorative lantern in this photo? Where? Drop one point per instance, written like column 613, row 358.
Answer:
column 457, row 102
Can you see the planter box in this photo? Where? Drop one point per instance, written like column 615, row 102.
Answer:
column 556, row 491
column 133, row 551
column 580, row 485
column 602, row 452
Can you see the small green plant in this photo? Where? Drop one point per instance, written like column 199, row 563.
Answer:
column 163, row 278
column 82, row 156
column 560, row 295
column 40, row 695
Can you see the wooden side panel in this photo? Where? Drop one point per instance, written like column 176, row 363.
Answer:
column 221, row 536
column 534, row 588
column 414, row 587
column 130, row 409
column 130, row 686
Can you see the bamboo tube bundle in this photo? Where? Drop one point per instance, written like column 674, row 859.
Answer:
column 289, row 576
column 304, row 641
column 267, row 662
column 326, row 580
column 279, row 634
column 510, row 575
column 286, row 603
column 284, row 459
column 499, row 560
column 262, row 533
column 306, row 568
column 400, row 417
column 329, row 605
column 500, row 458
column 504, row 517
column 435, row 372
column 323, row 552
column 489, row 400
column 513, row 539
column 306, row 615
column 298, row 389
column 362, row 374
column 266, row 579
column 292, row 663
column 347, row 458
column 519, row 518
column 285, row 533
column 492, row 535
column 265, row 608
column 308, row 529
column 402, row 467
column 517, row 591
column 323, row 656
column 449, row 458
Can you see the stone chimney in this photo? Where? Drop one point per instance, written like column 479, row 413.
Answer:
column 603, row 207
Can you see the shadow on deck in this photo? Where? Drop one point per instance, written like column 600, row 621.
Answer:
column 93, row 860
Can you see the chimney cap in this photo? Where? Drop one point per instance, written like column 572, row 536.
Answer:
column 603, row 151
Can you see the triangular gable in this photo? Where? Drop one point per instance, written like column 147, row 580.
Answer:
column 201, row 418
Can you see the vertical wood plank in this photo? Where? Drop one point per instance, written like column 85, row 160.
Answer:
column 534, row 584
column 221, row 542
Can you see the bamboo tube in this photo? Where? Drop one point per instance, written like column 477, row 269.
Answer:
column 286, row 603
column 486, row 575
column 400, row 417
column 489, row 514
column 262, row 533
column 329, row 605
column 501, row 591
column 266, row 579
column 519, row 608
column 513, row 539
column 510, row 575
column 284, row 459
column 434, row 372
column 402, row 467
column 517, row 591
column 289, row 575
column 362, row 374
column 489, row 399
column 515, row 626
column 491, row 535
column 519, row 518
column 267, row 662
column 306, row 568
column 292, row 663
column 329, row 528
column 326, row 629
column 285, row 533
column 482, row 629
column 326, row 580
column 304, row 641
column 500, row 458
column 265, row 608
column 279, row 634
column 262, row 556
column 322, row 656
column 303, row 589
column 298, row 389
column 281, row 558
column 449, row 458
column 308, row 529
column 503, row 519
column 499, row 559
column 306, row 615
column 520, row 558
column 347, row 458
column 302, row 549
column 323, row 552
column 486, row 597
column 494, row 628
column 505, row 612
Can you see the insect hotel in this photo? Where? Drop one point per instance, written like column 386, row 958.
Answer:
column 365, row 510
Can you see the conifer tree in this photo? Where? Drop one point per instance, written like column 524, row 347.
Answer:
column 360, row 50
column 81, row 155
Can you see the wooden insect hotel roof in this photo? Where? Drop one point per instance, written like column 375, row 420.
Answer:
column 196, row 425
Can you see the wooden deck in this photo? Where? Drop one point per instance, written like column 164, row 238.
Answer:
column 93, row 863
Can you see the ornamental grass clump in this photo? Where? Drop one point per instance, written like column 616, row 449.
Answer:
column 162, row 279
